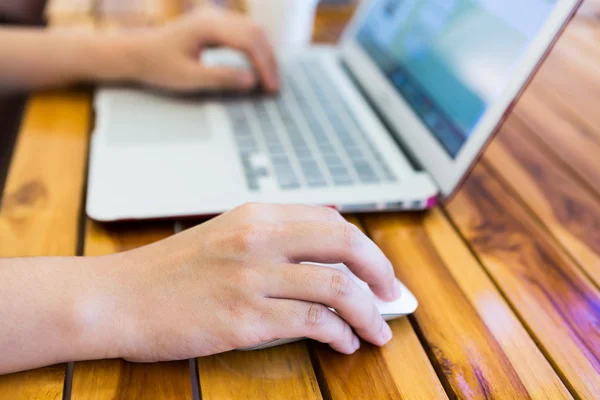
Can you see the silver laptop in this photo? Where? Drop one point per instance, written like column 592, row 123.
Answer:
column 391, row 119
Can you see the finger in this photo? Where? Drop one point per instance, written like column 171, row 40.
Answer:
column 298, row 319
column 239, row 32
column 331, row 242
column 332, row 288
column 277, row 213
column 219, row 79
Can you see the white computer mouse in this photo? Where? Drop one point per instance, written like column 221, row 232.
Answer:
column 405, row 305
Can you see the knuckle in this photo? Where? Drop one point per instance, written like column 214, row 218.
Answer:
column 246, row 277
column 252, row 211
column 255, row 36
column 256, row 32
column 350, row 236
column 333, row 215
column 315, row 317
column 260, row 326
column 252, row 237
column 339, row 284
column 237, row 304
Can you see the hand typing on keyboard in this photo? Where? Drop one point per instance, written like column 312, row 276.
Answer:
column 167, row 57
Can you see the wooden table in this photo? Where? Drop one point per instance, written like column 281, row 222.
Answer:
column 507, row 274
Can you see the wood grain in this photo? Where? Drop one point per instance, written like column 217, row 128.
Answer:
column 43, row 383
column 281, row 372
column 566, row 130
column 563, row 84
column 477, row 345
column 400, row 369
column 42, row 200
column 555, row 300
column 41, row 204
column 116, row 379
column 567, row 210
column 571, row 99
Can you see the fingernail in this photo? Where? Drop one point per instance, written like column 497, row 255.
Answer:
column 386, row 333
column 355, row 343
column 397, row 289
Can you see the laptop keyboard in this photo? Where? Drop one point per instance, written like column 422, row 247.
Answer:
column 307, row 137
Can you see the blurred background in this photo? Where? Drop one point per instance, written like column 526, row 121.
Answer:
column 39, row 12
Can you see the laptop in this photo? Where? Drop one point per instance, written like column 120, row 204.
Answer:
column 392, row 118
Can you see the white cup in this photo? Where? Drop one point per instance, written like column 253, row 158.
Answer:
column 289, row 24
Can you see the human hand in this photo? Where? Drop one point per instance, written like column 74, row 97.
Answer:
column 169, row 57
column 236, row 282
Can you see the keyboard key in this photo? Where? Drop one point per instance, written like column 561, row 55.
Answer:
column 262, row 172
column 342, row 181
column 316, row 182
column 275, row 148
column 338, row 172
column 252, row 181
column 287, row 181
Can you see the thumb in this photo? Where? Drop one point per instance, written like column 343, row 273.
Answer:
column 220, row 79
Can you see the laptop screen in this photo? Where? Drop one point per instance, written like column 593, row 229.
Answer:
column 450, row 59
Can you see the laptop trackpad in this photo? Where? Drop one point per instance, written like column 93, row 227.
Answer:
column 155, row 119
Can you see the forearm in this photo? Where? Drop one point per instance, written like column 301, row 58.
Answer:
column 34, row 58
column 55, row 310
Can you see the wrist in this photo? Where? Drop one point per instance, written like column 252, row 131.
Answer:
column 99, row 312
column 112, row 58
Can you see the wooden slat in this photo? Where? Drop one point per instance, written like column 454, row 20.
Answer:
column 568, row 96
column 571, row 87
column 41, row 205
column 115, row 379
column 65, row 8
column 479, row 348
column 572, row 144
column 281, row 372
column 42, row 198
column 43, row 383
column 139, row 12
column 583, row 54
column 400, row 369
column 568, row 211
column 111, row 379
column 561, row 105
column 554, row 298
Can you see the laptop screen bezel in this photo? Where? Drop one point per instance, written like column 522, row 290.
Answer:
column 446, row 171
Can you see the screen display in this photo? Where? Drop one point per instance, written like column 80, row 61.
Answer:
column 450, row 59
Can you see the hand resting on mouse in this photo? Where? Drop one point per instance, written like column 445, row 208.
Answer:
column 234, row 282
